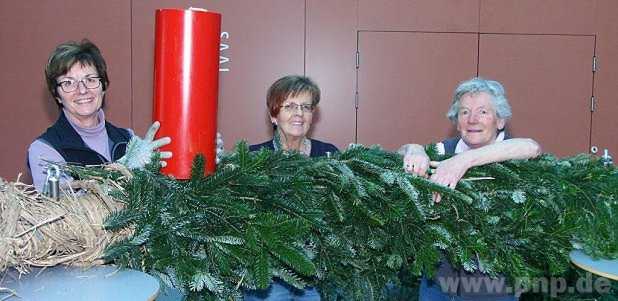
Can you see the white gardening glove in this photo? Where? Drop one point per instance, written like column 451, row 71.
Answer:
column 220, row 148
column 140, row 151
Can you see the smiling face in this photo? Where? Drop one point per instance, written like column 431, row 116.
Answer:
column 294, row 123
column 477, row 121
column 83, row 104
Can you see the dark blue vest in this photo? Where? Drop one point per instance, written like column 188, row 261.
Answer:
column 67, row 142
column 446, row 270
column 318, row 148
column 451, row 143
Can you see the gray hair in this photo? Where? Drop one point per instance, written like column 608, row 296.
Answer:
column 477, row 85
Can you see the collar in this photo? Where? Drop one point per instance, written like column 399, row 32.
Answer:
column 305, row 147
column 88, row 132
column 462, row 146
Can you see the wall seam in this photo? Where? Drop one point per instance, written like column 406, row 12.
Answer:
column 131, row 64
column 593, row 98
column 305, row 42
column 478, row 40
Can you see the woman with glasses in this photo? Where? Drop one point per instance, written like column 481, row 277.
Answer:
column 76, row 75
column 291, row 102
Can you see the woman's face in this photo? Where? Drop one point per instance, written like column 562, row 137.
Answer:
column 81, row 104
column 295, row 116
column 477, row 121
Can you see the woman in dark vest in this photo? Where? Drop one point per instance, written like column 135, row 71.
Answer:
column 480, row 111
column 291, row 102
column 76, row 75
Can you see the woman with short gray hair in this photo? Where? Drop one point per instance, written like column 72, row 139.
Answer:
column 477, row 85
column 480, row 111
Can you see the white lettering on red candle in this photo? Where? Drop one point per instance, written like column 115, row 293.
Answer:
column 224, row 60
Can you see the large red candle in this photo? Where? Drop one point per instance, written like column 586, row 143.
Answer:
column 186, row 84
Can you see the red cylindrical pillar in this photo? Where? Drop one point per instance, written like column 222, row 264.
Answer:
column 186, row 84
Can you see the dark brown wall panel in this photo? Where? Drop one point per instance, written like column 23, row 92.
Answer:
column 405, row 84
column 331, row 62
column 604, row 118
column 548, row 79
column 538, row 16
column 29, row 31
column 419, row 15
column 266, row 41
column 271, row 38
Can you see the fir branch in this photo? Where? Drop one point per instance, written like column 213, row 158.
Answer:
column 347, row 223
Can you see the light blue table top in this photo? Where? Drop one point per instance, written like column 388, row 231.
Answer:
column 63, row 283
column 602, row 267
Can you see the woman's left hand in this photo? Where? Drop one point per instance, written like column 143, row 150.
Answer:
column 139, row 151
column 448, row 173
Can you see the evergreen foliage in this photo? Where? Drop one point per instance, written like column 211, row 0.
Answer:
column 350, row 223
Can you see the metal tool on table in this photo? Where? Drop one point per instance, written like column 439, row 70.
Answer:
column 51, row 188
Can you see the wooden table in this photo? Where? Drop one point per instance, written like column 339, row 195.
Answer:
column 63, row 283
column 602, row 267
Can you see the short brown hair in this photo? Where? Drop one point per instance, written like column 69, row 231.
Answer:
column 290, row 86
column 68, row 54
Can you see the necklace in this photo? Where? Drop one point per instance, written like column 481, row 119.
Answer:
column 305, row 146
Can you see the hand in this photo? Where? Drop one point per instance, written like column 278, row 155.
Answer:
column 416, row 163
column 448, row 173
column 139, row 151
column 220, row 148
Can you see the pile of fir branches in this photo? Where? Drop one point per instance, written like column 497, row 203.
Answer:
column 349, row 223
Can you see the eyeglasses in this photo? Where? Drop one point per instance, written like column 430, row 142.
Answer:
column 69, row 85
column 293, row 107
